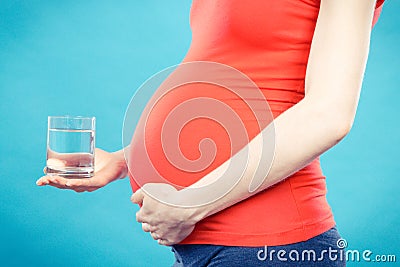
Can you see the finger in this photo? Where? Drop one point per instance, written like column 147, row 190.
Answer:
column 42, row 181
column 138, row 197
column 88, row 184
column 92, row 188
column 85, row 182
column 81, row 189
column 57, row 185
column 139, row 217
column 55, row 163
column 72, row 183
column 155, row 236
column 76, row 186
column 147, row 227
column 164, row 242
column 61, row 182
column 64, row 183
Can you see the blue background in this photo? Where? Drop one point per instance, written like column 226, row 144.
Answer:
column 88, row 58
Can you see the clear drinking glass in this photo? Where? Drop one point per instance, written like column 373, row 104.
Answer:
column 70, row 146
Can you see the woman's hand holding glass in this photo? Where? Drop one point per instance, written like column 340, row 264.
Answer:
column 108, row 167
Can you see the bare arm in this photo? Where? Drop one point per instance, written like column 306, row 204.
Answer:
column 334, row 76
column 108, row 167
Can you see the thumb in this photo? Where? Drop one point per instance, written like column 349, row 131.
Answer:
column 138, row 197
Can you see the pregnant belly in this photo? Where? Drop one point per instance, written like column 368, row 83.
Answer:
column 198, row 118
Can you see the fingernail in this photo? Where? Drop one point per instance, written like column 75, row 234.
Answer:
column 42, row 182
column 67, row 184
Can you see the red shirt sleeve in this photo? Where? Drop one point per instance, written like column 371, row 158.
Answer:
column 378, row 10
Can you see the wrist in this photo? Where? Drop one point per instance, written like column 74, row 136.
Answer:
column 121, row 162
column 202, row 212
column 120, row 154
column 192, row 213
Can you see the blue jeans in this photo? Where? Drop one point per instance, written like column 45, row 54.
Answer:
column 322, row 250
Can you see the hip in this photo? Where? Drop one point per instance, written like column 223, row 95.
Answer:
column 321, row 250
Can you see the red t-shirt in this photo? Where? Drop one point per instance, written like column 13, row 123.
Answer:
column 269, row 41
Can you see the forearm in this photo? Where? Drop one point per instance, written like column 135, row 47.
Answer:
column 301, row 134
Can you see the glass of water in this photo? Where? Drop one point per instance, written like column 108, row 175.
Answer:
column 70, row 146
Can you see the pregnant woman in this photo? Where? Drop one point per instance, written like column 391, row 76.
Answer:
column 307, row 58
